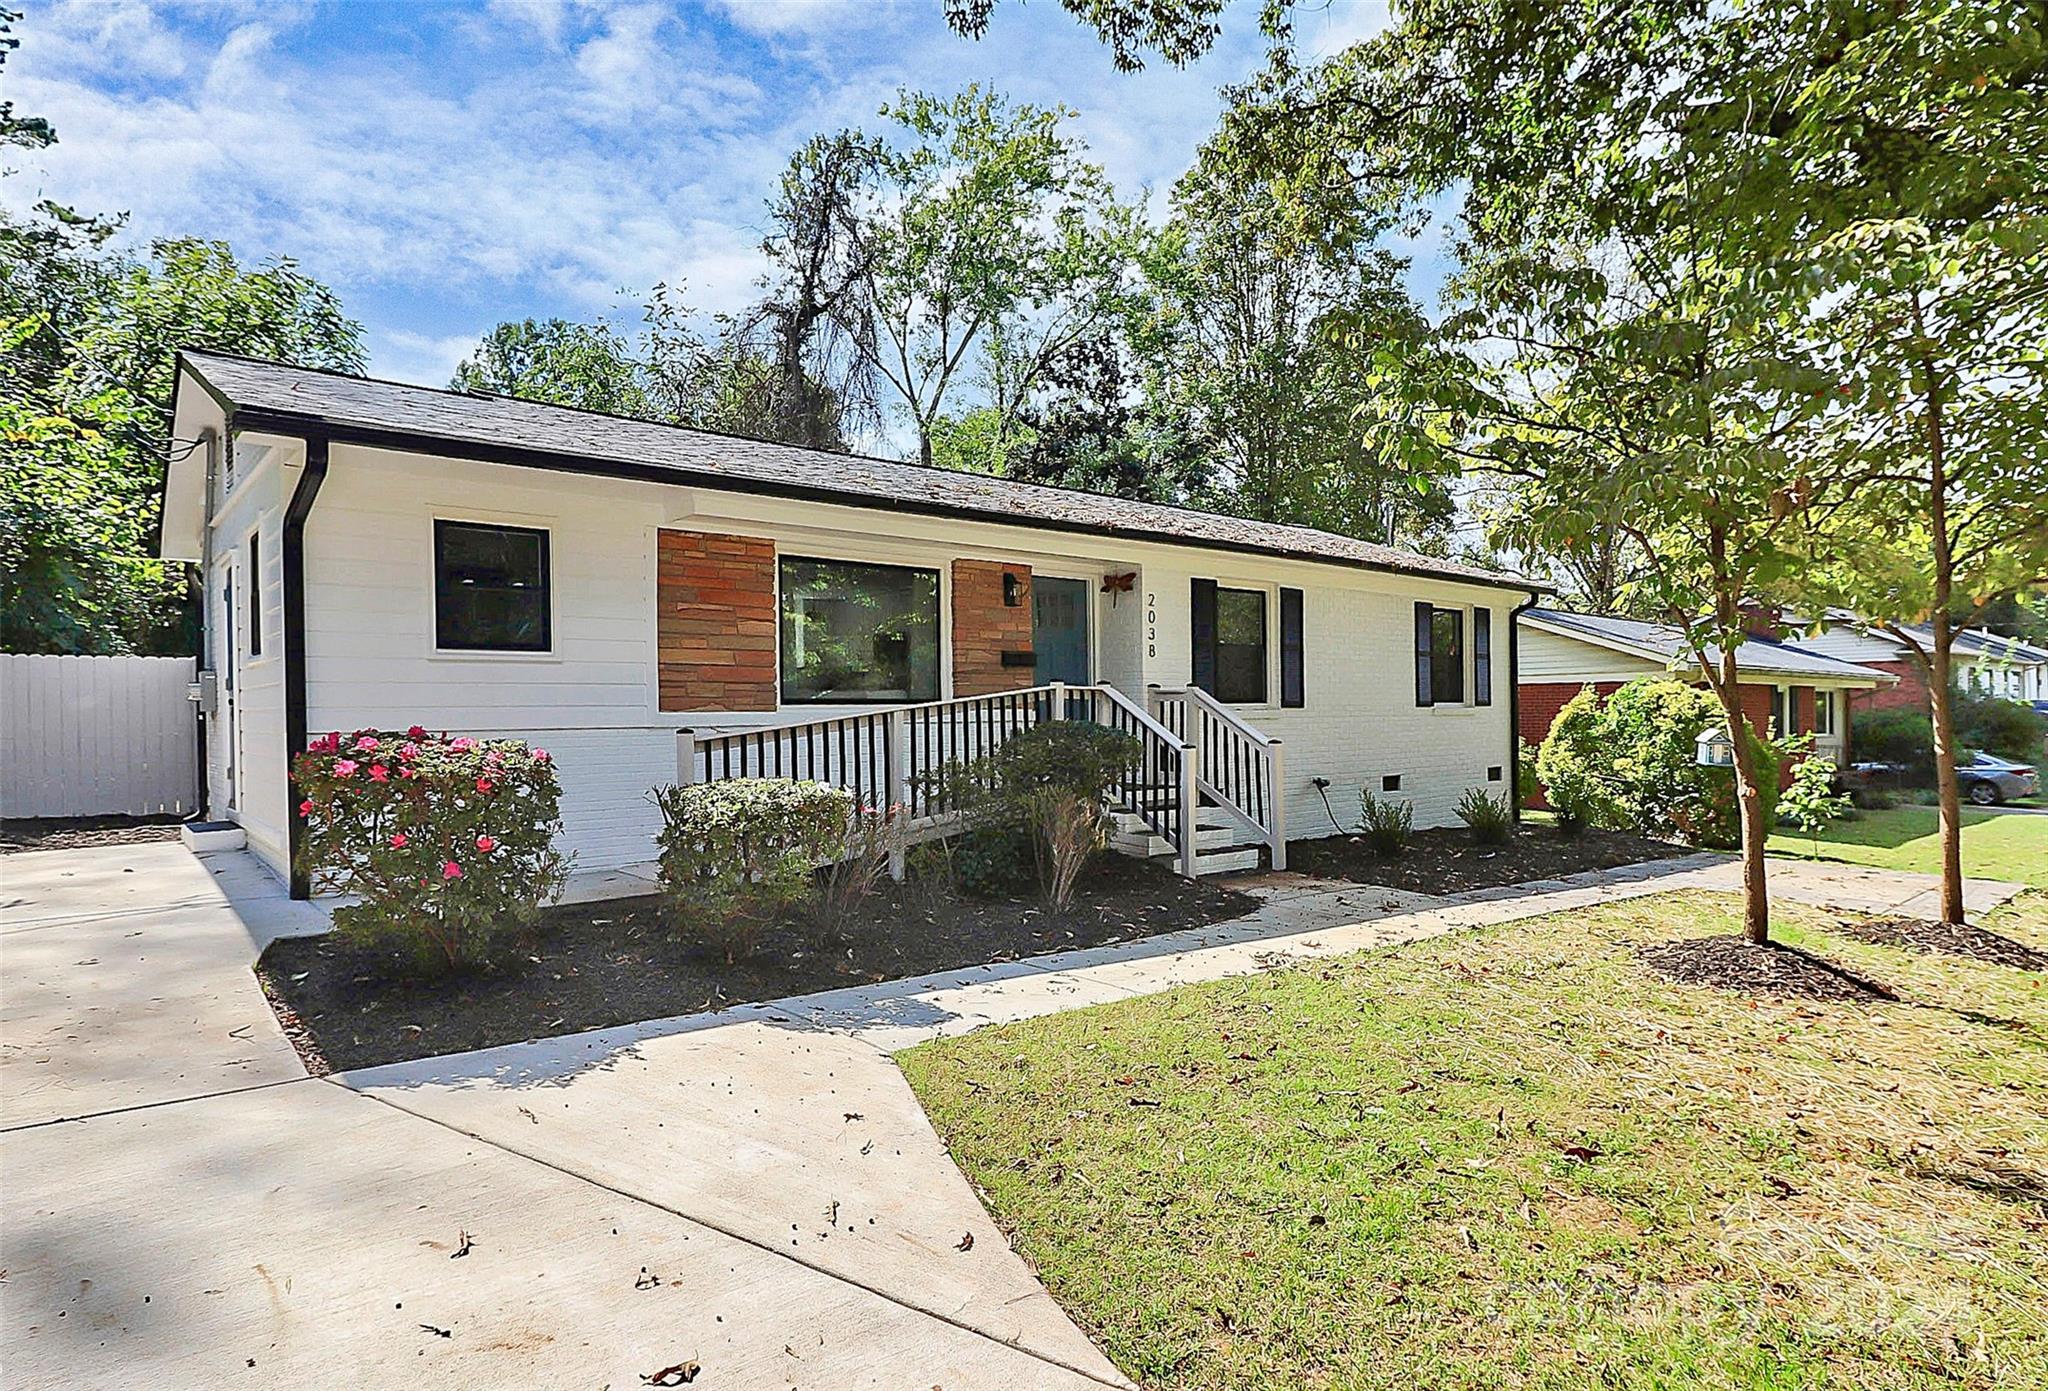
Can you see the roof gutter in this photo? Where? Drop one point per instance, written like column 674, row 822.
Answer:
column 525, row 456
column 294, row 562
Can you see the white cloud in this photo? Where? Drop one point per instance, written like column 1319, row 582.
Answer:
column 809, row 17
column 425, row 360
column 529, row 157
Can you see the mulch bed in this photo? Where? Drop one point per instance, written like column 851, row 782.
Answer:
column 594, row 965
column 21, row 834
column 1736, row 964
column 1447, row 861
column 1947, row 939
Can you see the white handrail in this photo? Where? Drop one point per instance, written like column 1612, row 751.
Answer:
column 1138, row 712
column 1222, row 712
column 1271, row 756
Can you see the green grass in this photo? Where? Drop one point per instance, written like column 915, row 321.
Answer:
column 1514, row 1158
column 1994, row 846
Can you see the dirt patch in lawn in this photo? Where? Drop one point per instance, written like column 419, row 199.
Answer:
column 594, row 965
column 21, row 834
column 1448, row 861
column 1946, row 939
column 1739, row 965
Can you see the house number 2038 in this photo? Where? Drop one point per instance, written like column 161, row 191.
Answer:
column 1151, row 625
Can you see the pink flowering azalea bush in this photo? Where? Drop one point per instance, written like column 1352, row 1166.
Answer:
column 443, row 842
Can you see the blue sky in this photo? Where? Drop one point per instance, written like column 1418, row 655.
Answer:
column 445, row 166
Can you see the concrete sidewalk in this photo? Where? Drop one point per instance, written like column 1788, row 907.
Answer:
column 756, row 1191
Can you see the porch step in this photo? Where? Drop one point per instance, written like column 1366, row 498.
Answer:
column 1145, row 845
column 1228, row 861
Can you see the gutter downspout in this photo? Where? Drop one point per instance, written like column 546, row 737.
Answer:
column 210, row 441
column 1515, row 700
column 293, row 559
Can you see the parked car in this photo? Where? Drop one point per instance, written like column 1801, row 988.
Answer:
column 1872, row 775
column 1988, row 780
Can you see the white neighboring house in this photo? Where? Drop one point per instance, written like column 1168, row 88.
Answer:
column 2007, row 668
column 1985, row 663
column 652, row 603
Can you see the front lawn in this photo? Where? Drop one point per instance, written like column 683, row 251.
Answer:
column 1995, row 845
column 1519, row 1158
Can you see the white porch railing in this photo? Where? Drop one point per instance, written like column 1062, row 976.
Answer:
column 1237, row 767
column 894, row 756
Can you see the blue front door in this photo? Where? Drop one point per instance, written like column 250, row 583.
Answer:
column 1059, row 630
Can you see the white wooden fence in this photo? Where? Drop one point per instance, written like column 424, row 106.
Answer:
column 96, row 736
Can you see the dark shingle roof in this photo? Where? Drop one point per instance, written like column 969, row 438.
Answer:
column 1760, row 655
column 501, row 428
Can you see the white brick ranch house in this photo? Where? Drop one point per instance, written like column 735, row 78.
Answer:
column 649, row 602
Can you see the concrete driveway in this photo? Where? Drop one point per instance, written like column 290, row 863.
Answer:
column 755, row 1192
column 184, row 1206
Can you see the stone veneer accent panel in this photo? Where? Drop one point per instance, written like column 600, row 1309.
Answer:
column 984, row 628
column 715, row 610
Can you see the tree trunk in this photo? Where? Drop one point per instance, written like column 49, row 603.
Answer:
column 1749, row 802
column 1942, row 714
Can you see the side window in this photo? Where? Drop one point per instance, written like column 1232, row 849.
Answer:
column 255, row 587
column 1440, row 656
column 491, row 588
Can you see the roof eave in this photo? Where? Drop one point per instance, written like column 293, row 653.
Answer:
column 270, row 419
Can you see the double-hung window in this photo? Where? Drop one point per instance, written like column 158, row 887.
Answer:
column 858, row 633
column 1823, row 711
column 491, row 588
column 1441, row 648
column 1231, row 655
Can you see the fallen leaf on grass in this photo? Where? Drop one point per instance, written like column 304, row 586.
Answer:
column 1579, row 1152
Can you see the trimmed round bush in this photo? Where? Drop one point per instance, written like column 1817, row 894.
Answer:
column 444, row 842
column 738, row 854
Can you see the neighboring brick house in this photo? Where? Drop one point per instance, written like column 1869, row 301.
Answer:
column 1786, row 689
column 1984, row 663
column 656, row 604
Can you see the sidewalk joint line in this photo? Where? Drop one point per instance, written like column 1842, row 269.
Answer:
column 755, row 1242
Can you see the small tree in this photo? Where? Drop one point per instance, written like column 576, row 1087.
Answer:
column 1812, row 802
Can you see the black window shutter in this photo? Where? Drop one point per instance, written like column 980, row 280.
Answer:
column 1293, row 691
column 1202, row 625
column 1422, row 626
column 1482, row 656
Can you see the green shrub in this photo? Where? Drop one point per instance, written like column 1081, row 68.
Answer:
column 1630, row 763
column 443, row 843
column 1569, row 761
column 1491, row 819
column 1527, row 786
column 1905, row 734
column 1998, row 726
column 1898, row 735
column 738, row 854
column 1386, row 824
column 1010, row 836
